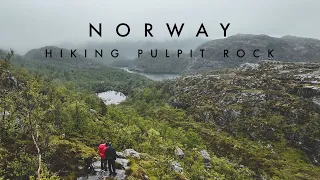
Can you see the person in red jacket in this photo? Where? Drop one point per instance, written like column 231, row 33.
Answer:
column 102, row 151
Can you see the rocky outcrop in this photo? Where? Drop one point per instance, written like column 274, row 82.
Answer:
column 99, row 174
column 316, row 102
column 8, row 81
column 178, row 152
column 121, row 165
column 269, row 101
column 308, row 91
column 120, row 154
column 206, row 158
column 122, row 162
column 131, row 153
column 249, row 66
column 175, row 166
column 287, row 48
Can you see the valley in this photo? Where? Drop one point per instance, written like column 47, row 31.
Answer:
column 159, row 90
column 254, row 119
column 154, row 76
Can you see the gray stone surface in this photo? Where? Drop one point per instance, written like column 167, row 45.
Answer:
column 101, row 175
column 206, row 158
column 131, row 153
column 176, row 167
column 179, row 152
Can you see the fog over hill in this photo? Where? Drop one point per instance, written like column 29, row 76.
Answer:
column 206, row 55
column 287, row 48
column 231, row 52
column 128, row 49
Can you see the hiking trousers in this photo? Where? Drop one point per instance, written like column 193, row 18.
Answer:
column 103, row 164
column 111, row 165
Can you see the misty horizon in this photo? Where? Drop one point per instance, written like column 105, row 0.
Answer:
column 34, row 24
column 81, row 45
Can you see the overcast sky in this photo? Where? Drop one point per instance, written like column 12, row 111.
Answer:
column 29, row 24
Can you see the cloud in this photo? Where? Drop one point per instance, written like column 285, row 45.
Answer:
column 34, row 23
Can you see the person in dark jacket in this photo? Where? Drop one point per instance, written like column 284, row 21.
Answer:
column 111, row 156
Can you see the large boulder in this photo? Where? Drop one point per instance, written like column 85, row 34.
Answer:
column 120, row 154
column 131, row 153
column 123, row 163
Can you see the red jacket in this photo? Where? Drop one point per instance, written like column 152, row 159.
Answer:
column 102, row 151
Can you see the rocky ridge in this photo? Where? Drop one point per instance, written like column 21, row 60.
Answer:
column 285, row 49
column 270, row 101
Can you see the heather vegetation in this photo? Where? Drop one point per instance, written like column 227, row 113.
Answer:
column 253, row 123
column 78, row 72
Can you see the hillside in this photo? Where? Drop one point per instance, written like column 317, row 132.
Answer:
column 287, row 48
column 274, row 105
column 260, row 121
column 48, row 130
column 128, row 49
column 83, row 73
column 161, row 63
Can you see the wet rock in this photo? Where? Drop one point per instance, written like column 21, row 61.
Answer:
column 131, row 153
column 178, row 152
column 99, row 174
column 123, row 163
column 121, row 175
column 120, row 154
column 206, row 158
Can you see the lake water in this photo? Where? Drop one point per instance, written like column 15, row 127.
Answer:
column 114, row 97
column 111, row 97
column 155, row 77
